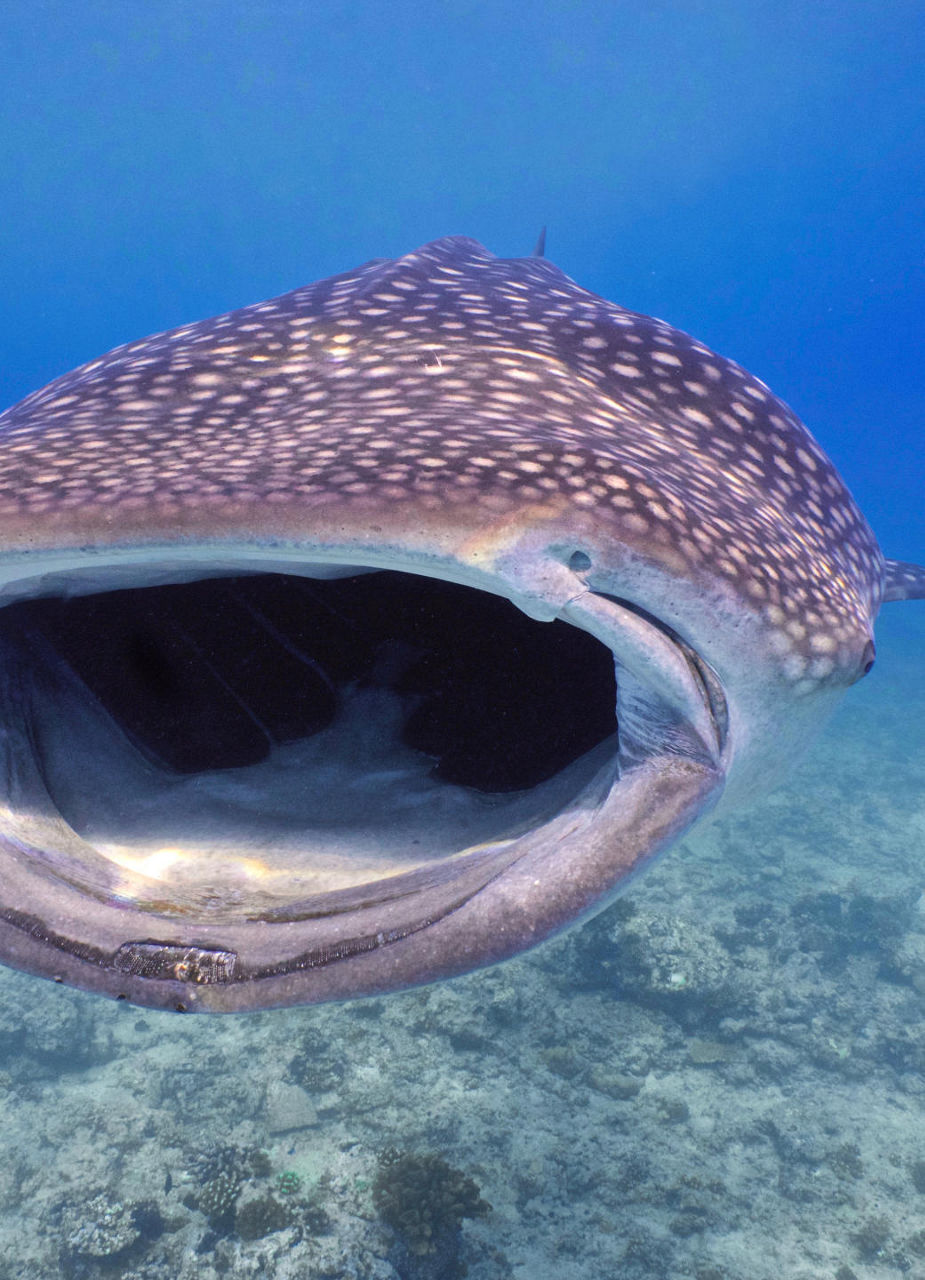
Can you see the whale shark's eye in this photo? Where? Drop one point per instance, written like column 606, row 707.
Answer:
column 868, row 658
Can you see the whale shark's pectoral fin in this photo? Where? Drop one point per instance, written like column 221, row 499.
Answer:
column 903, row 581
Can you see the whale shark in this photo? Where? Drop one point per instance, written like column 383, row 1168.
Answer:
column 378, row 632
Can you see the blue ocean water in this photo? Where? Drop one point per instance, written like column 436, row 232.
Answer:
column 724, row 1079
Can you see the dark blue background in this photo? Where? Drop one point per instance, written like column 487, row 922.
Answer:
column 750, row 171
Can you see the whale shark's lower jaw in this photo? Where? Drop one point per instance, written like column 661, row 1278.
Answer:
column 232, row 783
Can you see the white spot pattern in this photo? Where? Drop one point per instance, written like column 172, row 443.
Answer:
column 451, row 376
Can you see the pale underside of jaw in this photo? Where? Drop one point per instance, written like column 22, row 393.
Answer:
column 266, row 787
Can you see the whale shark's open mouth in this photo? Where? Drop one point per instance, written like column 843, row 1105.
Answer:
column 230, row 791
column 236, row 745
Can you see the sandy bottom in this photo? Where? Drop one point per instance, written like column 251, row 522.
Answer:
column 722, row 1078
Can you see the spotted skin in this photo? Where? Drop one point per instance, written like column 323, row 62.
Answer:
column 451, row 378
column 903, row 581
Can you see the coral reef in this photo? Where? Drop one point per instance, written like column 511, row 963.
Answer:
column 288, row 1183
column 425, row 1200
column 262, row 1216
column 99, row 1228
column 227, row 1158
column 218, row 1200
column 838, row 925
column 314, row 1066
column 222, row 1171
column 663, row 962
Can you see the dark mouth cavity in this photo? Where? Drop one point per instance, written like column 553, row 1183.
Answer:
column 213, row 674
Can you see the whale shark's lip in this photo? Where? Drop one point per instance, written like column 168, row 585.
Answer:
column 355, row 855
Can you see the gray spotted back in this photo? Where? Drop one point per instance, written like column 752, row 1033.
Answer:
column 452, row 379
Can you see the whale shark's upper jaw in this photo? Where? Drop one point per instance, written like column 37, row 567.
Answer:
column 377, row 632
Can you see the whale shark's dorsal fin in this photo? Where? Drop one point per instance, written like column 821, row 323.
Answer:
column 540, row 248
column 903, row 581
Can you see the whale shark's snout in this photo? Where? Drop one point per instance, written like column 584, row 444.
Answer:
column 377, row 632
